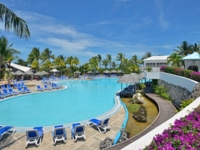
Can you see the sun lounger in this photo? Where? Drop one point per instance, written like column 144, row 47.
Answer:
column 7, row 92
column 6, row 130
column 13, row 92
column 59, row 134
column 39, row 88
column 20, row 90
column 102, row 125
column 46, row 87
column 77, row 131
column 2, row 95
column 26, row 89
column 34, row 136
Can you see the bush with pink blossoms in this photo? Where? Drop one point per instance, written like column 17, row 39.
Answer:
column 183, row 135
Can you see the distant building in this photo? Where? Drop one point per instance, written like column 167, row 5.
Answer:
column 155, row 62
column 16, row 67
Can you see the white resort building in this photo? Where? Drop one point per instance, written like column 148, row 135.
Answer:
column 155, row 62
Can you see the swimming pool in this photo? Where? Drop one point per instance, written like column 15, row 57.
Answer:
column 82, row 100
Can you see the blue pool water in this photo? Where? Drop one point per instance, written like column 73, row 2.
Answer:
column 82, row 100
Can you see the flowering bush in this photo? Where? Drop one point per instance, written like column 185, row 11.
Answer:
column 182, row 72
column 163, row 68
column 183, row 135
column 195, row 76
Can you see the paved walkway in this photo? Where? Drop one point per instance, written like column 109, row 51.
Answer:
column 166, row 111
column 17, row 140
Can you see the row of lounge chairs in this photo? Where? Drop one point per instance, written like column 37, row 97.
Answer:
column 48, row 87
column 8, row 90
column 35, row 135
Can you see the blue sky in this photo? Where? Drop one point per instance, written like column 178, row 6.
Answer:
column 86, row 28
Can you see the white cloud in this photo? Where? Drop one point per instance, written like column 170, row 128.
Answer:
column 163, row 22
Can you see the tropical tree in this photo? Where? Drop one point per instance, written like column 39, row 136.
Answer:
column 7, row 53
column 184, row 49
column 47, row 65
column 59, row 63
column 105, row 63
column 70, row 61
column 99, row 58
column 13, row 22
column 21, row 62
column 109, row 58
column 146, row 55
column 120, row 57
column 113, row 64
column 134, row 59
column 34, row 57
column 93, row 63
column 46, row 55
column 76, row 61
column 196, row 48
column 175, row 60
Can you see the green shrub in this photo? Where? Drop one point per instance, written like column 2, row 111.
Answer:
column 133, row 107
column 149, row 68
column 162, row 92
column 185, row 103
column 142, row 86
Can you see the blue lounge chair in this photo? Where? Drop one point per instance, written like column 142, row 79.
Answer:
column 2, row 95
column 6, row 92
column 39, row 88
column 6, row 130
column 77, row 131
column 13, row 92
column 26, row 89
column 46, row 87
column 8, row 86
column 20, row 90
column 34, row 136
column 102, row 125
column 59, row 134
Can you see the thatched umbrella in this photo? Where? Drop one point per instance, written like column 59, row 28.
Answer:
column 39, row 73
column 106, row 71
column 113, row 71
column 29, row 72
column 127, row 79
column 18, row 73
column 44, row 72
column 89, row 72
column 77, row 72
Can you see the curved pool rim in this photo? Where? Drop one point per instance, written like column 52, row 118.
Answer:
column 112, row 111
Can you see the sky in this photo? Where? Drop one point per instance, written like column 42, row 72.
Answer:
column 86, row 28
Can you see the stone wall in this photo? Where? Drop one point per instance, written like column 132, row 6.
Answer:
column 176, row 93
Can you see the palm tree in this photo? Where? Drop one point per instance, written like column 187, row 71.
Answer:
column 105, row 63
column 184, row 49
column 175, row 60
column 99, row 58
column 196, row 48
column 7, row 53
column 47, row 64
column 120, row 58
column 34, row 57
column 46, row 55
column 76, row 61
column 21, row 62
column 146, row 55
column 13, row 22
column 113, row 64
column 93, row 63
column 70, row 61
column 134, row 59
column 59, row 63
column 10, row 56
column 109, row 58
